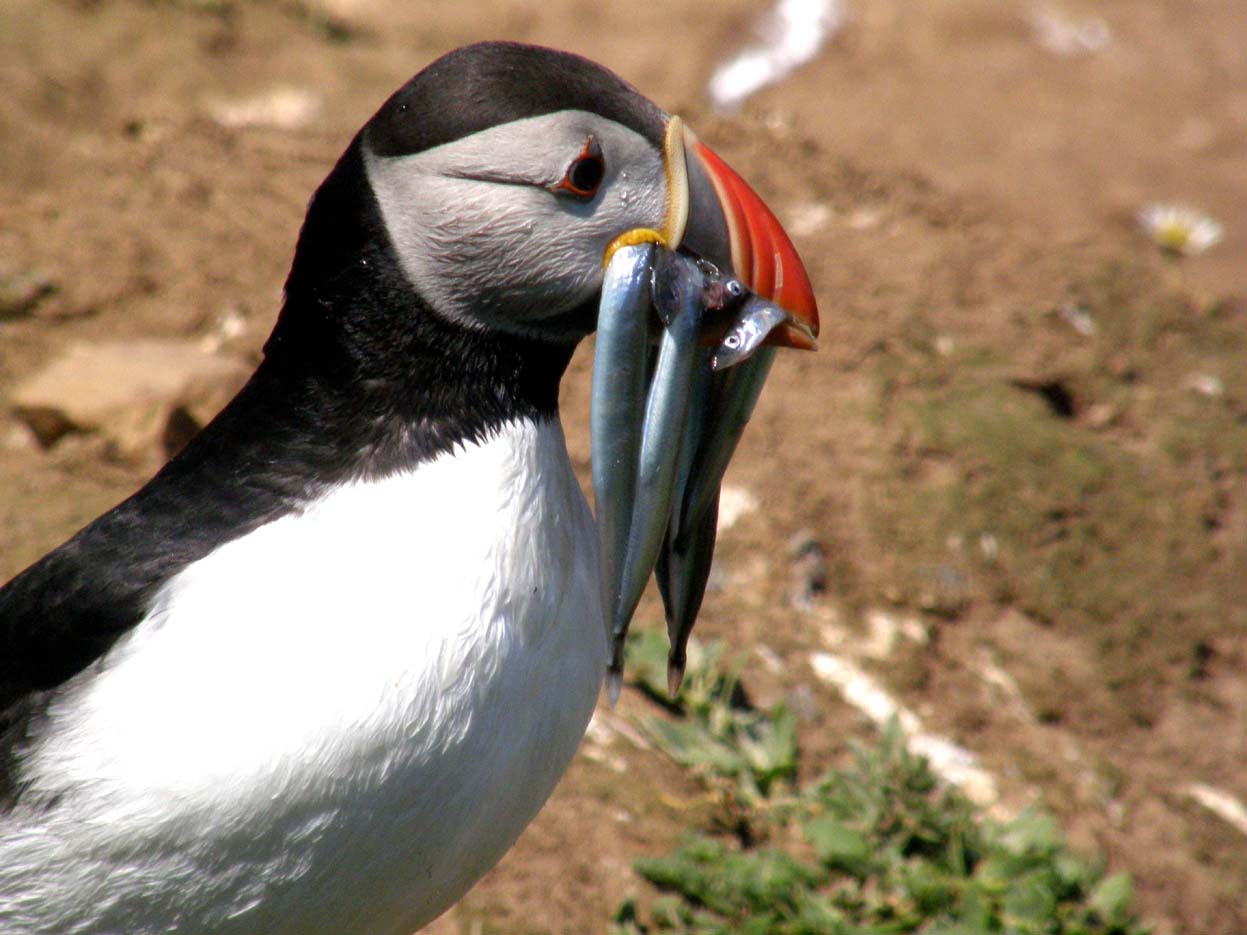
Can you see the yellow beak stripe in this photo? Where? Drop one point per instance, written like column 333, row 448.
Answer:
column 675, row 217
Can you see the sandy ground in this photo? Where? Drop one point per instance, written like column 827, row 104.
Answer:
column 1023, row 443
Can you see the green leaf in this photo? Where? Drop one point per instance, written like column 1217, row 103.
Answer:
column 691, row 745
column 975, row 913
column 1031, row 833
column 1029, row 902
column 769, row 745
column 838, row 846
column 1111, row 898
column 645, row 659
column 1075, row 875
column 930, row 888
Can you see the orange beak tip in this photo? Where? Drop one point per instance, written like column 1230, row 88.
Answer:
column 794, row 334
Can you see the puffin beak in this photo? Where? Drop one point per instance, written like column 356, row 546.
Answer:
column 713, row 213
column 664, row 424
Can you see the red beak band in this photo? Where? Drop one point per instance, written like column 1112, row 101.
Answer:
column 760, row 253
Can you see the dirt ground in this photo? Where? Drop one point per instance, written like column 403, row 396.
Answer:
column 1024, row 437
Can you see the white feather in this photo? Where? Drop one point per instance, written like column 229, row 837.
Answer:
column 334, row 724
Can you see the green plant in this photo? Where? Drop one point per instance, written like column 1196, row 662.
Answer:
column 734, row 747
column 879, row 847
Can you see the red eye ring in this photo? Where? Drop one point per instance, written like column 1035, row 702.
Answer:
column 584, row 173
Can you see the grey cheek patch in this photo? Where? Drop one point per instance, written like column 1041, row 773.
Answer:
column 482, row 240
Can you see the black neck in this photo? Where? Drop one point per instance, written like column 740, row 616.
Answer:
column 362, row 358
column 378, row 410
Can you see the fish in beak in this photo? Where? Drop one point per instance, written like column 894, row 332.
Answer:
column 690, row 317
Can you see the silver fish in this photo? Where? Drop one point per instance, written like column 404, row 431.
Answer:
column 677, row 287
column 620, row 381
column 682, row 574
column 680, row 583
column 755, row 320
column 731, row 406
column 664, row 425
column 688, row 549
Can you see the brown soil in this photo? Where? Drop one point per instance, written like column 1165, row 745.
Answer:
column 1065, row 508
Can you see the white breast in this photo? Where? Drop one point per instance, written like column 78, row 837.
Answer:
column 334, row 724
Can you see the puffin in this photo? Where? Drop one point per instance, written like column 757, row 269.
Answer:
column 318, row 674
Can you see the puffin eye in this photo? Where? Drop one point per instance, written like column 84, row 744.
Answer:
column 585, row 173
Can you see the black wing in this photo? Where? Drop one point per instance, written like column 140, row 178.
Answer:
column 66, row 610
column 63, row 613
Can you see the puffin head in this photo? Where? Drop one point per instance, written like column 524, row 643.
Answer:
column 503, row 176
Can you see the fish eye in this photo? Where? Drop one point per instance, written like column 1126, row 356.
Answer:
column 585, row 173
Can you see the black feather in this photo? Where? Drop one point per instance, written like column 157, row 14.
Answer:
column 490, row 83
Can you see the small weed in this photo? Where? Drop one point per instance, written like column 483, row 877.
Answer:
column 721, row 737
column 879, row 847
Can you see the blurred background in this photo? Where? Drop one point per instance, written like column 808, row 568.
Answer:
column 1003, row 508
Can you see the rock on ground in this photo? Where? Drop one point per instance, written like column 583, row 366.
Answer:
column 145, row 398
